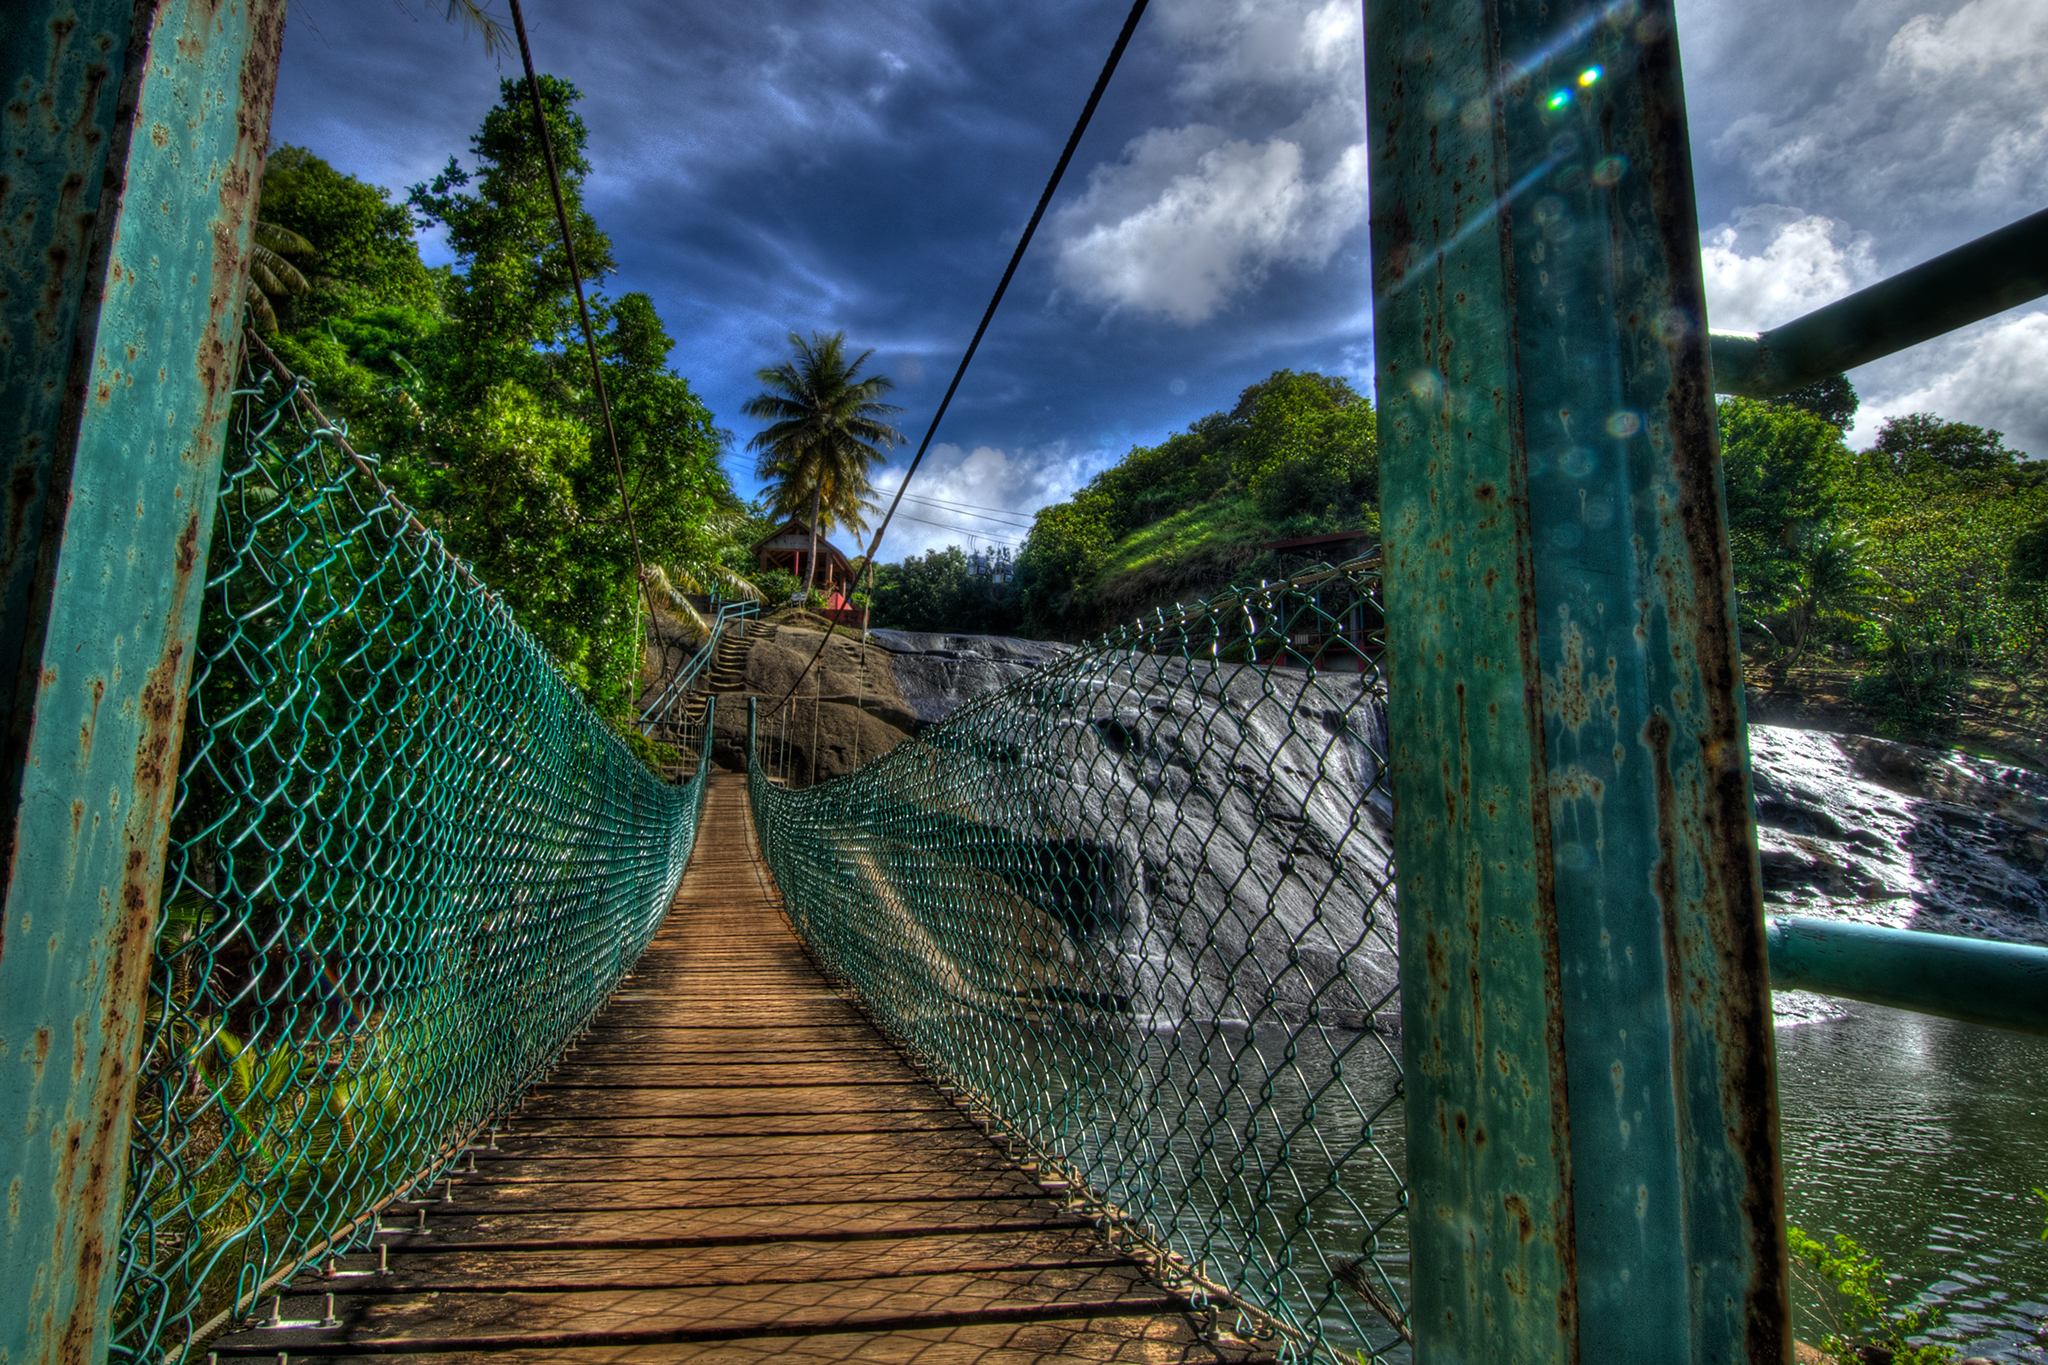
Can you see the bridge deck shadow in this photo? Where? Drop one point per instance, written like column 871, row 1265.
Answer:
column 734, row 1166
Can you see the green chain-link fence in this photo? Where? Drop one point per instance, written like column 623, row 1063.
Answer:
column 1138, row 908
column 407, row 865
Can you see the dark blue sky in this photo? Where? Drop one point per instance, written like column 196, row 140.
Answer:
column 797, row 165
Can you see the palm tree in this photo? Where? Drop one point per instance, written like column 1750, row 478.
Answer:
column 271, row 276
column 1832, row 582
column 825, row 430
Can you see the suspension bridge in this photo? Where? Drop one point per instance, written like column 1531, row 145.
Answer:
column 1370, row 964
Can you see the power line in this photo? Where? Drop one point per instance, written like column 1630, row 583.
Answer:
column 1116, row 53
column 963, row 530
column 963, row 506
column 931, row 506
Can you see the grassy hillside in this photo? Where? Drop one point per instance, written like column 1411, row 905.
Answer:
column 1296, row 456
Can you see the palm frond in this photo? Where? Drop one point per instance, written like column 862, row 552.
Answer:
column 281, row 240
column 699, row 628
column 477, row 17
column 260, row 309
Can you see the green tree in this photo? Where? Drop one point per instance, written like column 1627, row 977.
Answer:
column 825, row 430
column 1921, row 442
column 1067, row 547
column 1832, row 399
column 517, row 474
column 358, row 244
column 1782, row 469
column 2030, row 554
column 1831, row 580
column 940, row 591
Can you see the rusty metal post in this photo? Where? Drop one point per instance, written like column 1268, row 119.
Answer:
column 1592, row 1111
column 131, row 141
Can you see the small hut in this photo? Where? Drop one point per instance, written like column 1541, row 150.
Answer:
column 789, row 547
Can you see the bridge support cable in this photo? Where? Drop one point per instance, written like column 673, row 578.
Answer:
column 406, row 866
column 1136, row 908
column 1052, row 184
column 604, row 401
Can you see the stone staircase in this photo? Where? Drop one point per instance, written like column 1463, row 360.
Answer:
column 727, row 673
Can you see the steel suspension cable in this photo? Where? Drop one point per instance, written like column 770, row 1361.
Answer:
column 1116, row 53
column 604, row 402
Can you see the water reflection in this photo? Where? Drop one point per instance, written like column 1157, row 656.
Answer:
column 1922, row 1139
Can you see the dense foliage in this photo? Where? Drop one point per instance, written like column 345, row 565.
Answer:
column 1298, row 454
column 943, row 590
column 1916, row 562
column 1918, row 567
column 473, row 387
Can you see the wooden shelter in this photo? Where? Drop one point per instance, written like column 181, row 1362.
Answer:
column 789, row 546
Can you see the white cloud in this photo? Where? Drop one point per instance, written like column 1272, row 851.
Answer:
column 1944, row 121
column 1190, row 217
column 1188, row 220
column 1007, row 486
column 1804, row 261
column 1992, row 375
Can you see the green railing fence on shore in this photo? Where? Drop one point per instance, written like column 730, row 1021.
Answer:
column 407, row 865
column 1137, row 907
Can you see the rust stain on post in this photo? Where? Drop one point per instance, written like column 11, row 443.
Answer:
column 107, row 538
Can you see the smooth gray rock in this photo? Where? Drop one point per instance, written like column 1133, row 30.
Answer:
column 938, row 674
column 1876, row 832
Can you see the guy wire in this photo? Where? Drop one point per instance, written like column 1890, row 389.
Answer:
column 604, row 402
column 1116, row 53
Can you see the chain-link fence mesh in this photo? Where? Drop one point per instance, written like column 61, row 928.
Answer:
column 1138, row 908
column 407, row 864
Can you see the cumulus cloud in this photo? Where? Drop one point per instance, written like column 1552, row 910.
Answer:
column 1990, row 375
column 1178, row 231
column 1942, row 124
column 1772, row 263
column 1190, row 217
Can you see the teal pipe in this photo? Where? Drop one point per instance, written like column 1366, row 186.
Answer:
column 1999, row 270
column 2004, row 985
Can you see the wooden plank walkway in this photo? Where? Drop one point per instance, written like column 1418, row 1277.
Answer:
column 733, row 1166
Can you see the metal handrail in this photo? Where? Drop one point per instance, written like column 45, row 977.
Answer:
column 1980, row 981
column 657, row 711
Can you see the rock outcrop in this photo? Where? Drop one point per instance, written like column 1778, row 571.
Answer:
column 1883, row 833
column 938, row 674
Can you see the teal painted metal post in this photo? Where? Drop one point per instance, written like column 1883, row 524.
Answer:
column 131, row 143
column 1592, row 1112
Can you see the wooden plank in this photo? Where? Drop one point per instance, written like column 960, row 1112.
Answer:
column 493, row 1269
column 577, row 1192
column 728, row 1224
column 508, row 1320
column 1149, row 1340
column 732, row 1164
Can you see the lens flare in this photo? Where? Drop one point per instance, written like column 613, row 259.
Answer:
column 1560, row 99
column 1624, row 423
column 1589, row 75
column 1610, row 170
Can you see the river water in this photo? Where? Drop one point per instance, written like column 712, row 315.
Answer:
column 1920, row 1138
column 1923, row 1139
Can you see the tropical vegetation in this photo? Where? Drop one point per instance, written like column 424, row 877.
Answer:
column 1910, row 578
column 471, row 385
column 825, row 431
